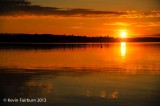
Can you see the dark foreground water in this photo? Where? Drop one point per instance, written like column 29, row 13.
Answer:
column 112, row 74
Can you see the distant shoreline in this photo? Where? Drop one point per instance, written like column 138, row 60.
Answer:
column 50, row 39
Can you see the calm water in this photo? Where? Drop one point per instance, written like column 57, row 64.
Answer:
column 112, row 74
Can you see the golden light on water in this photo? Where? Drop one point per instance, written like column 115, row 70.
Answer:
column 123, row 49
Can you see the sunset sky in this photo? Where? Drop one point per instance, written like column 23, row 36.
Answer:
column 81, row 17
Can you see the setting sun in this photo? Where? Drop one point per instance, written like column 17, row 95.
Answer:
column 123, row 33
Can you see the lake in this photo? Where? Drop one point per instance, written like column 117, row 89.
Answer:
column 108, row 74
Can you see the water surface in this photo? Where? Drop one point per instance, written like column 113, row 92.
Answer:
column 110, row 74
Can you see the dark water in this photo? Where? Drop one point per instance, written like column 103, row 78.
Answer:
column 112, row 74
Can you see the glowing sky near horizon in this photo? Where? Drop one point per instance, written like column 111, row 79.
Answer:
column 84, row 17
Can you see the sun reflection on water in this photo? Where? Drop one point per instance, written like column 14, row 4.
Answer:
column 123, row 49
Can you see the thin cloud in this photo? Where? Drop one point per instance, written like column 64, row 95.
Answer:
column 23, row 8
column 148, row 24
column 118, row 24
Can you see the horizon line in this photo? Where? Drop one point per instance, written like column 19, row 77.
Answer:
column 74, row 35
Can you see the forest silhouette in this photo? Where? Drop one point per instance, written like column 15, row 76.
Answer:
column 50, row 38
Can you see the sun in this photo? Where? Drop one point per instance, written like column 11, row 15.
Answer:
column 123, row 33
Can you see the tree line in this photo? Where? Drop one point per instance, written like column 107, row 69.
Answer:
column 51, row 38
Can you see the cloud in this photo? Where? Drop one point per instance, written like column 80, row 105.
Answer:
column 118, row 24
column 147, row 14
column 148, row 24
column 23, row 7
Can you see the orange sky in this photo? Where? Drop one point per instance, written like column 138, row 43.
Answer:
column 98, row 19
